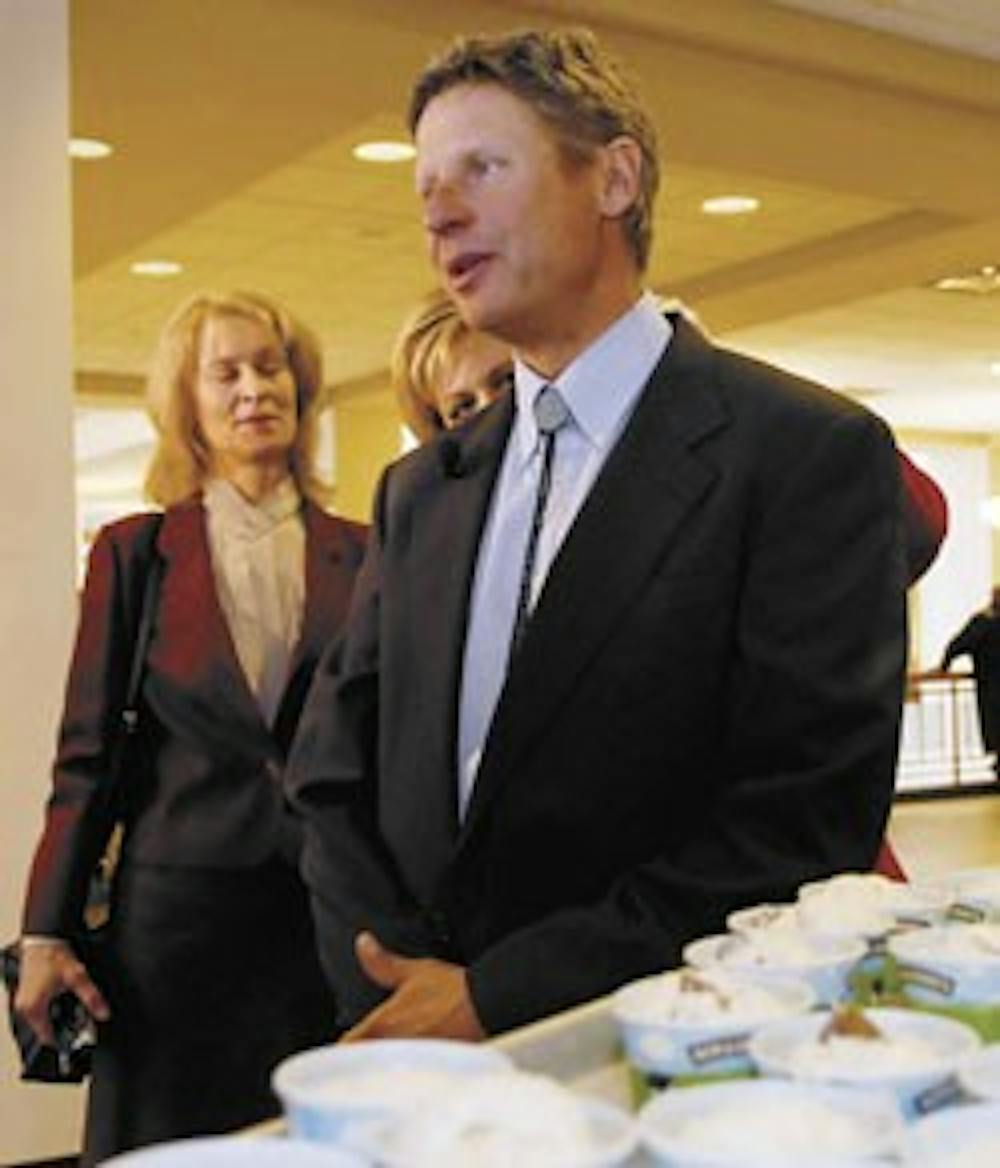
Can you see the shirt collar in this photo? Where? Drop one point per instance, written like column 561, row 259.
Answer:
column 236, row 515
column 602, row 384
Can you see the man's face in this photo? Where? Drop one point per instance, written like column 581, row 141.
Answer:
column 514, row 229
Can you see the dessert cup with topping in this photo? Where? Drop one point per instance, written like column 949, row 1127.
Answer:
column 343, row 1093
column 699, row 1022
column 770, row 1124
column 825, row 962
column 913, row 1055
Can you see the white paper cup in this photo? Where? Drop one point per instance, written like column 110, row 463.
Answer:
column 950, row 965
column 980, row 1075
column 976, row 894
column 236, row 1152
column 824, row 962
column 664, row 1038
column 917, row 1062
column 961, row 1137
column 342, row 1094
column 516, row 1119
column 769, row 1124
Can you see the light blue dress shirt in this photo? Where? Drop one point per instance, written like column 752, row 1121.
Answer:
column 601, row 387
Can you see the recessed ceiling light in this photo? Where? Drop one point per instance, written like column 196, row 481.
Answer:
column 983, row 280
column 156, row 268
column 384, row 151
column 89, row 148
column 730, row 205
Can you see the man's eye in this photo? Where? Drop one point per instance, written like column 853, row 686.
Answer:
column 486, row 165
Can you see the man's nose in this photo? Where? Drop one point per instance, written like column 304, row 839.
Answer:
column 444, row 210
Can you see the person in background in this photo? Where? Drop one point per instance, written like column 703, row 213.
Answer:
column 980, row 639
column 632, row 654
column 444, row 372
column 211, row 976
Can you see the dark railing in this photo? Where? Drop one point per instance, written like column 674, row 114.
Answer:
column 941, row 748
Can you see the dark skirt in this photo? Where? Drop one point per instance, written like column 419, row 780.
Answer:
column 212, row 978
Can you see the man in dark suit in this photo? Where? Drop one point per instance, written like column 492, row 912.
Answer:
column 980, row 639
column 619, row 660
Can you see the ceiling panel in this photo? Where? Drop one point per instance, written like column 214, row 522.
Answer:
column 876, row 160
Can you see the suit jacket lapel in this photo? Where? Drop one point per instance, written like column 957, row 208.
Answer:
column 448, row 522
column 319, row 616
column 651, row 481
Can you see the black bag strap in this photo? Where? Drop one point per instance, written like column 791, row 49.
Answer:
column 149, row 563
column 144, row 630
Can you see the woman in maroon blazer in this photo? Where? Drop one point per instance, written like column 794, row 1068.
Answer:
column 211, row 977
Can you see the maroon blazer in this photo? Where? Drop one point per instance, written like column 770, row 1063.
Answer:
column 209, row 790
column 925, row 518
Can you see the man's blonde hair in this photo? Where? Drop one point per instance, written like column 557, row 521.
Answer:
column 573, row 86
column 182, row 459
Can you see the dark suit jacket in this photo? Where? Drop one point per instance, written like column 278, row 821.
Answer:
column 980, row 638
column 210, row 792
column 703, row 712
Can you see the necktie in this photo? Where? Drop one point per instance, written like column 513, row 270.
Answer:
column 551, row 413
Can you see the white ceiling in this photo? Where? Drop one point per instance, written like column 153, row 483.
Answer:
column 966, row 26
column 875, row 157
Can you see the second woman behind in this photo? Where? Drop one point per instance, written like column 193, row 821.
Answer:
column 213, row 976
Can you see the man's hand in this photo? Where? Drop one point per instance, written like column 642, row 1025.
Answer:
column 48, row 968
column 430, row 998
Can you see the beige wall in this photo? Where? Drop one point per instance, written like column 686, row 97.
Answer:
column 367, row 438
column 36, row 524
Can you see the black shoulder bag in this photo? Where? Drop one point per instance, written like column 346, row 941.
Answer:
column 69, row 1061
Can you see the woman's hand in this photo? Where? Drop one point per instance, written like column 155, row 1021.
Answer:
column 48, row 968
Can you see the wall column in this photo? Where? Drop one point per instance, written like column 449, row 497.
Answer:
column 36, row 489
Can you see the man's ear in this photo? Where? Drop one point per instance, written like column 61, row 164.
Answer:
column 621, row 179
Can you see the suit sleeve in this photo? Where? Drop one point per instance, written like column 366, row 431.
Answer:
column 79, row 815
column 333, row 783
column 810, row 718
column 964, row 641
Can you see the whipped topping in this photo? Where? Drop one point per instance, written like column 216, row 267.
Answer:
column 775, row 949
column 399, row 1086
column 868, row 904
column 789, row 1130
column 764, row 917
column 841, row 1056
column 495, row 1121
column 696, row 996
column 974, row 943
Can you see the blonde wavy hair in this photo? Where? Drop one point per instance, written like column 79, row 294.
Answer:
column 423, row 349
column 182, row 460
column 573, row 86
